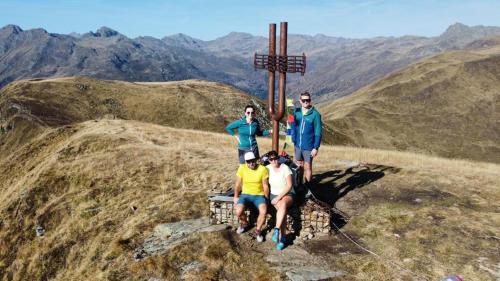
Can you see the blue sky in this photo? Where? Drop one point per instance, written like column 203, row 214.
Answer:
column 208, row 20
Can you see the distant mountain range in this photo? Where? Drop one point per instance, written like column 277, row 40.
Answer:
column 336, row 66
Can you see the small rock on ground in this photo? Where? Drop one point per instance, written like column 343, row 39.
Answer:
column 300, row 265
column 307, row 273
column 192, row 267
column 166, row 236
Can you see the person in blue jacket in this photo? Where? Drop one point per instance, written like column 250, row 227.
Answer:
column 306, row 134
column 248, row 127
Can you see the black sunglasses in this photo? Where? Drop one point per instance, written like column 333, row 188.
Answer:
column 250, row 112
column 273, row 158
column 305, row 100
column 251, row 161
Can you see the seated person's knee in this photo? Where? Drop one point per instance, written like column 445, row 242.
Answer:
column 262, row 210
column 239, row 210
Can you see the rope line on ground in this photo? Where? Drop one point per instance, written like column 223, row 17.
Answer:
column 378, row 256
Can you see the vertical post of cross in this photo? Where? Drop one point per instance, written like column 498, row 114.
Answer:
column 271, row 83
column 282, row 84
column 276, row 116
column 282, row 64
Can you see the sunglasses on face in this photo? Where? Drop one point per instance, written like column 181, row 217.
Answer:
column 250, row 112
column 305, row 100
column 250, row 161
column 273, row 158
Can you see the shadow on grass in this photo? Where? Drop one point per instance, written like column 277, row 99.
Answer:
column 330, row 186
column 327, row 188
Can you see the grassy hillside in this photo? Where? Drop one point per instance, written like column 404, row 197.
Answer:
column 80, row 182
column 99, row 188
column 32, row 105
column 99, row 164
column 447, row 105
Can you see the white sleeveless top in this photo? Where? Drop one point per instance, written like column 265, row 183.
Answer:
column 277, row 180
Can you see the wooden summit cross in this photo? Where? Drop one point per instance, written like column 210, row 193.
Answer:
column 283, row 64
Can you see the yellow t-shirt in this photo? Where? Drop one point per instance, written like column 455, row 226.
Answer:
column 252, row 179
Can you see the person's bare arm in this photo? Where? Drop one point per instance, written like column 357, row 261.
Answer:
column 237, row 190
column 289, row 183
column 265, row 184
column 285, row 191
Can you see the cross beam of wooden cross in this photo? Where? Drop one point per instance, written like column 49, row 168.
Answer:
column 283, row 64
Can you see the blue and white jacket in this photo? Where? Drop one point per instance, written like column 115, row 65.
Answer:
column 306, row 129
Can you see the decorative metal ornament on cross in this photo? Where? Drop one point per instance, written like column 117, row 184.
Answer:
column 283, row 64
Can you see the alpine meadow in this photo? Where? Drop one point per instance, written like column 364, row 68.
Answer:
column 117, row 161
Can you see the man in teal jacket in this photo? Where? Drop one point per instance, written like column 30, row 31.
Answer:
column 306, row 134
column 248, row 127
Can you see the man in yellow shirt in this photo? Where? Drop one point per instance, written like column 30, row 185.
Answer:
column 252, row 182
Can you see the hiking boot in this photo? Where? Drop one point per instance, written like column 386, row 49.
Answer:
column 258, row 236
column 307, row 190
column 242, row 228
column 276, row 235
column 281, row 245
column 308, row 195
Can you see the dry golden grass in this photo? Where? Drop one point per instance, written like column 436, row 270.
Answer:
column 433, row 216
column 411, row 161
column 446, row 105
column 99, row 188
column 80, row 181
column 190, row 104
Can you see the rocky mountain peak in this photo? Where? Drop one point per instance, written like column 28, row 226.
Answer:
column 459, row 30
column 75, row 35
column 239, row 35
column 10, row 29
column 226, row 59
column 105, row 32
column 183, row 40
column 456, row 30
column 181, row 37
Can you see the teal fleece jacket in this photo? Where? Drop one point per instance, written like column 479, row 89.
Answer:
column 306, row 129
column 247, row 132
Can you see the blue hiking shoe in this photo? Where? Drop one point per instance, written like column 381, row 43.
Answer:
column 276, row 235
column 281, row 245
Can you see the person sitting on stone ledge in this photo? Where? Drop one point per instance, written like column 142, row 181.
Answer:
column 252, row 182
column 282, row 196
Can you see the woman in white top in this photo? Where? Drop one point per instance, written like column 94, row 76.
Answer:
column 282, row 193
